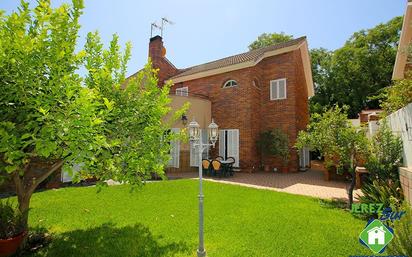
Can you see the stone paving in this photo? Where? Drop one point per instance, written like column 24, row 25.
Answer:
column 310, row 183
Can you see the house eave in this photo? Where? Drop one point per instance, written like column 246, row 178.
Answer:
column 305, row 60
column 404, row 41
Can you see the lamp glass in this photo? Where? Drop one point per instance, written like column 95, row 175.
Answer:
column 213, row 132
column 194, row 131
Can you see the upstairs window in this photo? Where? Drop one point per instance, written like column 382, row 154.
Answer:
column 278, row 89
column 182, row 91
column 230, row 83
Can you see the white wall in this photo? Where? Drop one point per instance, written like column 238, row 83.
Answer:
column 401, row 124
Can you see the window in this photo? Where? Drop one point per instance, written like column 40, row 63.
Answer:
column 182, row 91
column 230, row 83
column 278, row 89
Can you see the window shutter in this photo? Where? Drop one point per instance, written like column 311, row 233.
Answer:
column 205, row 140
column 222, row 143
column 194, row 152
column 281, row 89
column 233, row 145
column 273, row 90
column 174, row 151
column 193, row 155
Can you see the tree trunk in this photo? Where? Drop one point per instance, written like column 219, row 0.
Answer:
column 24, row 205
column 353, row 180
column 350, row 190
column 26, row 185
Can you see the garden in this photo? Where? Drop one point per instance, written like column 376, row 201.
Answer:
column 161, row 220
column 73, row 110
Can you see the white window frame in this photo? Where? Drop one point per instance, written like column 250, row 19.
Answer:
column 182, row 91
column 229, row 83
column 274, row 84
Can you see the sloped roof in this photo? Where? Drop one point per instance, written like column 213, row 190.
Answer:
column 401, row 61
column 253, row 56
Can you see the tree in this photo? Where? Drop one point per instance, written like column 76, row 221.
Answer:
column 396, row 96
column 321, row 60
column 382, row 162
column 51, row 115
column 337, row 140
column 267, row 39
column 355, row 73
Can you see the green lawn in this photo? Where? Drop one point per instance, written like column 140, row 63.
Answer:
column 161, row 220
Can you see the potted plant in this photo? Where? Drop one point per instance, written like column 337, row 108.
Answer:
column 264, row 145
column 281, row 148
column 274, row 143
column 12, row 230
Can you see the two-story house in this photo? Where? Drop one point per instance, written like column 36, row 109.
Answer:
column 245, row 94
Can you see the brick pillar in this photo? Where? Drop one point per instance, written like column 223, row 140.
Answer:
column 156, row 51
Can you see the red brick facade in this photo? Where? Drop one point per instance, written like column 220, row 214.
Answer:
column 248, row 107
column 157, row 54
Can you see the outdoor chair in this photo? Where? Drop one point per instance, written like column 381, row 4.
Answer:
column 206, row 167
column 220, row 158
column 217, row 168
column 230, row 165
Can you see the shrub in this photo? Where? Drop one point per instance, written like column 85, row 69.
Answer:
column 385, row 155
column 378, row 191
column 398, row 95
column 402, row 242
column 383, row 184
column 274, row 143
column 11, row 222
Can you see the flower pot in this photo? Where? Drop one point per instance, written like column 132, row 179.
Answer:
column 9, row 246
column 266, row 168
column 284, row 169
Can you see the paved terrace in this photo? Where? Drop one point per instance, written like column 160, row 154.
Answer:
column 310, row 183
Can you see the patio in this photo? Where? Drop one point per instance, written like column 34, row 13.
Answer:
column 310, row 183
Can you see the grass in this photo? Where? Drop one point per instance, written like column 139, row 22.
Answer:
column 161, row 220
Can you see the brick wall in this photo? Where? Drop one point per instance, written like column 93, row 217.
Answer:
column 248, row 107
column 282, row 113
column 405, row 175
column 157, row 54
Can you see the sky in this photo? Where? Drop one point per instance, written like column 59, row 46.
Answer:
column 206, row 30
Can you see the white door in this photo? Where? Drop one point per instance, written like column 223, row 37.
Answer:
column 229, row 144
column 194, row 152
column 174, row 151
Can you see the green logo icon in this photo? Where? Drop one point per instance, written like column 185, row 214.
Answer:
column 376, row 236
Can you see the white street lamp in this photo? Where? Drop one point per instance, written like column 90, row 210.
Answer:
column 195, row 138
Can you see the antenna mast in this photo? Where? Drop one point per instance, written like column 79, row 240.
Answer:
column 154, row 25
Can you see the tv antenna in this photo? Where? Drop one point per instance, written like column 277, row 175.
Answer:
column 164, row 21
column 155, row 26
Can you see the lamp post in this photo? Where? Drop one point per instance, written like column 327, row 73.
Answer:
column 195, row 138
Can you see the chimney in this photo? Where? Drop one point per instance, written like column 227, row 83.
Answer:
column 156, row 50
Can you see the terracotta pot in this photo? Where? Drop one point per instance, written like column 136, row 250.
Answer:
column 284, row 169
column 266, row 168
column 9, row 246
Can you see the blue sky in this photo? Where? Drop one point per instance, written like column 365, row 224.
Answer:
column 206, row 30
